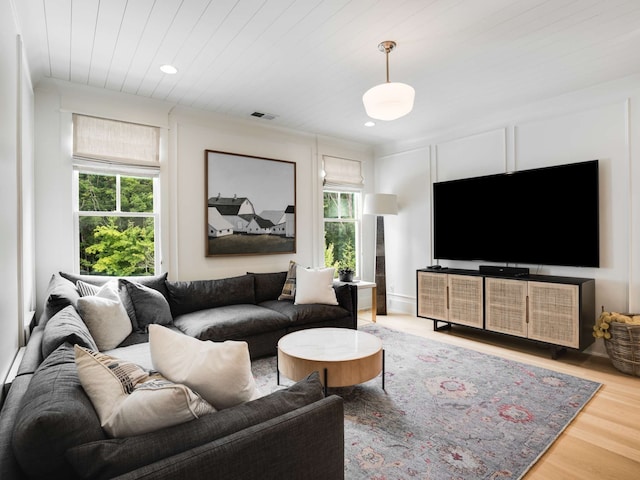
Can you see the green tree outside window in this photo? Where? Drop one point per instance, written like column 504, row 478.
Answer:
column 120, row 241
column 341, row 226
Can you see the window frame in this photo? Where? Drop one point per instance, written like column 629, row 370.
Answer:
column 357, row 220
column 82, row 165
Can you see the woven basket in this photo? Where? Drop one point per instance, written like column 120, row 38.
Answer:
column 624, row 347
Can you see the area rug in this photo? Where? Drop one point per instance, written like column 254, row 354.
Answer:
column 449, row 412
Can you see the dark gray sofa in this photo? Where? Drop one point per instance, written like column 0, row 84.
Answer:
column 49, row 429
column 242, row 308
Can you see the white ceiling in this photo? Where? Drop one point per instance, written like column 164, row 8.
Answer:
column 309, row 61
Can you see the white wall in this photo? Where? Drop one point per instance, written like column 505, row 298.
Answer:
column 54, row 104
column 16, row 192
column 193, row 132
column 187, row 133
column 596, row 123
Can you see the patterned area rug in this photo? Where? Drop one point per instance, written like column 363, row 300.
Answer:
column 449, row 412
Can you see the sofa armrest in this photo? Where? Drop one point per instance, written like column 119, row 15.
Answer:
column 305, row 444
column 33, row 352
column 347, row 296
column 9, row 468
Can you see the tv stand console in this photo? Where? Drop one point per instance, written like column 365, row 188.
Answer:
column 557, row 311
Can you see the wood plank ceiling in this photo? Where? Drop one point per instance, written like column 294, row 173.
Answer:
column 308, row 62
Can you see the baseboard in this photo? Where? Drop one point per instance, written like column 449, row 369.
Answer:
column 398, row 303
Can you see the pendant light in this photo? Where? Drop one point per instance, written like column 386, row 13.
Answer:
column 390, row 100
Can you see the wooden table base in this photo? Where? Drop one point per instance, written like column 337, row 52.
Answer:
column 343, row 357
column 332, row 374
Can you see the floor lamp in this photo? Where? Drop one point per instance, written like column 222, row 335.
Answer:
column 380, row 204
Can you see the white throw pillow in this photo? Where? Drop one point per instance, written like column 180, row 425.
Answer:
column 315, row 286
column 131, row 401
column 105, row 317
column 219, row 371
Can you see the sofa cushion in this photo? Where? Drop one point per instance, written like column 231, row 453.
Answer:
column 230, row 323
column 190, row 296
column 138, row 354
column 55, row 414
column 147, row 305
column 60, row 293
column 268, row 286
column 315, row 286
column 105, row 317
column 219, row 371
column 289, row 287
column 108, row 458
column 66, row 326
column 131, row 401
column 304, row 314
column 134, row 338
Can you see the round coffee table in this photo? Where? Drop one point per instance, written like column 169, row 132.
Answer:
column 343, row 356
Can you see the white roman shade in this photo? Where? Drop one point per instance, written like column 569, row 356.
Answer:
column 115, row 141
column 342, row 172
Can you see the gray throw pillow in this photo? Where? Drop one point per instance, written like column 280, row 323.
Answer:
column 55, row 414
column 60, row 293
column 66, row 326
column 109, row 458
column 146, row 305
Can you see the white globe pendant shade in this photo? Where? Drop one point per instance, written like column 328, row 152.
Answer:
column 389, row 101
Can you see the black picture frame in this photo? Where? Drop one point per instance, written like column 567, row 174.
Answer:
column 249, row 205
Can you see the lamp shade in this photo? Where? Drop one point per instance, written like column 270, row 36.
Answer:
column 389, row 101
column 380, row 204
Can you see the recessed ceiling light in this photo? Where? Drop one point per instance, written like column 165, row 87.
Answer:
column 370, row 124
column 169, row 69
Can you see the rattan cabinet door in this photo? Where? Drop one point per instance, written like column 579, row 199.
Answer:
column 506, row 306
column 432, row 295
column 554, row 315
column 466, row 300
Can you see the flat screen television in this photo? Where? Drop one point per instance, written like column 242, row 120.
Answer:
column 544, row 216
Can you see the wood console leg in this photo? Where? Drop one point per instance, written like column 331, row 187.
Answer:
column 374, row 305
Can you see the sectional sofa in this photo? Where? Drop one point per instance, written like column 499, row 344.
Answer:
column 49, row 427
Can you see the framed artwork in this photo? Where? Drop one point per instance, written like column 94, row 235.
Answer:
column 250, row 205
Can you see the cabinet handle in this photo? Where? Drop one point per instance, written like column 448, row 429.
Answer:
column 527, row 310
column 447, row 297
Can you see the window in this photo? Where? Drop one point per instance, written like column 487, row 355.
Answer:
column 342, row 229
column 117, row 223
column 342, row 193
column 116, row 197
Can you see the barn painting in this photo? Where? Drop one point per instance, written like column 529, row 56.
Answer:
column 250, row 205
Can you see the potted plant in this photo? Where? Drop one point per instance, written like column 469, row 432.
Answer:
column 345, row 274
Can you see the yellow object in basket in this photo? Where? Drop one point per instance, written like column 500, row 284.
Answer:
column 600, row 329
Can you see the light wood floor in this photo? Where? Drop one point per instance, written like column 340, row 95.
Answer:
column 603, row 442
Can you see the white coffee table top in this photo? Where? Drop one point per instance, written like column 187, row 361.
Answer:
column 330, row 344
